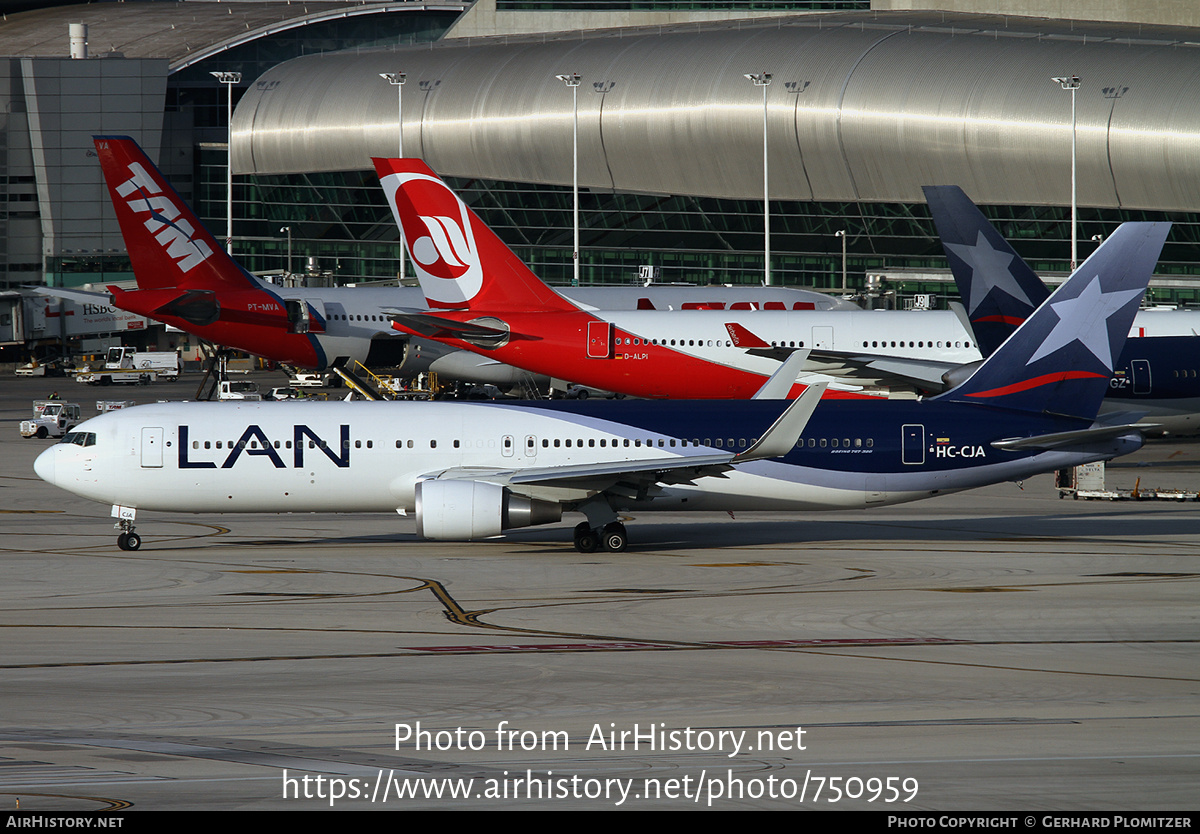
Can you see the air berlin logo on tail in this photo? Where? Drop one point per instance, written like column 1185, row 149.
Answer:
column 164, row 222
column 440, row 239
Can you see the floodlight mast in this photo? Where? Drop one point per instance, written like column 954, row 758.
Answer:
column 763, row 79
column 228, row 79
column 397, row 79
column 1072, row 83
column 842, row 234
column 572, row 81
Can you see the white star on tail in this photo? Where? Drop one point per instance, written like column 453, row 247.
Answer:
column 989, row 271
column 1084, row 319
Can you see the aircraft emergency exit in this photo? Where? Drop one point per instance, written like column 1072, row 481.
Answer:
column 473, row 470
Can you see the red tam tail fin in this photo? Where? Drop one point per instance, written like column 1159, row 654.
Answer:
column 167, row 243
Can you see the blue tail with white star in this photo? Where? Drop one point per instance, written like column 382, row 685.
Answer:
column 1060, row 360
column 997, row 286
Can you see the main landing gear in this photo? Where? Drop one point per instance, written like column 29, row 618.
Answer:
column 602, row 529
column 128, row 540
column 612, row 537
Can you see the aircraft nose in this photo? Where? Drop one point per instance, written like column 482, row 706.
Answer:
column 44, row 465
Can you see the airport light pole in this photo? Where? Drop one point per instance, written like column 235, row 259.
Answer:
column 763, row 79
column 397, row 79
column 842, row 234
column 1072, row 83
column 572, row 81
column 228, row 79
column 288, row 270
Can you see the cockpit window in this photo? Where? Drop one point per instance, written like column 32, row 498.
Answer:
column 80, row 438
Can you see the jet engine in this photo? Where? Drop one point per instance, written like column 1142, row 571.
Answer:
column 957, row 376
column 458, row 510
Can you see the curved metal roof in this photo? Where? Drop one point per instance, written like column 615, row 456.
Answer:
column 181, row 32
column 863, row 106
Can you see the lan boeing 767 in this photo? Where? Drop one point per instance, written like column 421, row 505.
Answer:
column 472, row 470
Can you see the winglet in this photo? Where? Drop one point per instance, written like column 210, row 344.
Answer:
column 779, row 439
column 460, row 263
column 1060, row 360
column 780, row 384
column 998, row 287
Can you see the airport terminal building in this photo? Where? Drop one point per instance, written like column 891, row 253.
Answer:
column 867, row 102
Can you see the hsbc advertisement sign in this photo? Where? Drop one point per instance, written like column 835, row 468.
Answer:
column 68, row 317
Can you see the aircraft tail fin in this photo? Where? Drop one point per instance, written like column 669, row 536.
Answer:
column 167, row 244
column 460, row 262
column 1060, row 360
column 998, row 287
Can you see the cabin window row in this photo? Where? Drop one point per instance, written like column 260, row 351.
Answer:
column 614, row 443
column 920, row 344
column 835, row 443
column 285, row 444
column 344, row 317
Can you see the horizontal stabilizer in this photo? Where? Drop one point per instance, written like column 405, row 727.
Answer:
column 1067, row 439
column 79, row 296
column 436, row 327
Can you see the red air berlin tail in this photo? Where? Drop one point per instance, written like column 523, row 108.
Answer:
column 460, row 262
column 168, row 245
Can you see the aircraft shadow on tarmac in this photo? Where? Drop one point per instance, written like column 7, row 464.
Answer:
column 1127, row 522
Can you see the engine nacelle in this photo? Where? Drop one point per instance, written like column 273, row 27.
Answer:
column 957, row 376
column 459, row 510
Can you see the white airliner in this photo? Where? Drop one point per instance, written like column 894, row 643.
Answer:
column 472, row 470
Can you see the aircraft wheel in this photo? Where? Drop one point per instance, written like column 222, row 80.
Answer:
column 587, row 542
column 615, row 538
column 129, row 541
column 123, row 541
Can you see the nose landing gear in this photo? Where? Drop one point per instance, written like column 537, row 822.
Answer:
column 127, row 540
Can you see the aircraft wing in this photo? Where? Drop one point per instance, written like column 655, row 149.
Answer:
column 926, row 374
column 579, row 481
